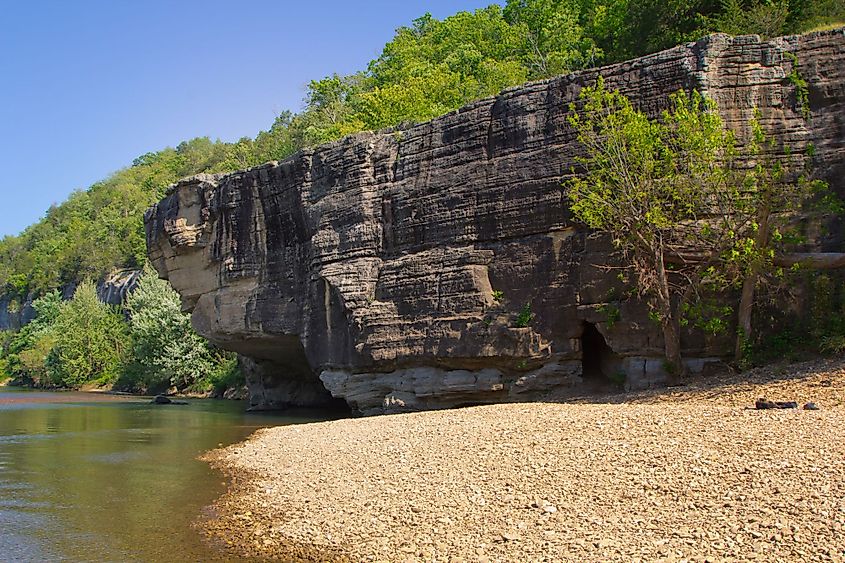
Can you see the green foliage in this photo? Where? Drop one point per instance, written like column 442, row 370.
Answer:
column 654, row 316
column 156, row 321
column 776, row 191
column 612, row 314
column 552, row 35
column 226, row 375
column 5, row 340
column 784, row 344
column 645, row 176
column 834, row 345
column 821, row 329
column 827, row 311
column 629, row 28
column 802, row 92
column 22, row 349
column 654, row 185
column 768, row 18
column 498, row 295
column 90, row 340
column 37, row 361
column 330, row 112
column 525, row 316
column 434, row 66
column 662, row 189
column 707, row 314
column 70, row 344
column 166, row 350
column 690, row 223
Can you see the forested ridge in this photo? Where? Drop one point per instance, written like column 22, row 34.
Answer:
column 429, row 68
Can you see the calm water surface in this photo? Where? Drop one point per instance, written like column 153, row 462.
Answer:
column 102, row 478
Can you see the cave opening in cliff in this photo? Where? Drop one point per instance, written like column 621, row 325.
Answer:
column 599, row 363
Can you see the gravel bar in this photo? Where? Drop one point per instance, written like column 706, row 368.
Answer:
column 689, row 475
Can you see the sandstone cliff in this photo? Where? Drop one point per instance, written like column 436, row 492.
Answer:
column 365, row 269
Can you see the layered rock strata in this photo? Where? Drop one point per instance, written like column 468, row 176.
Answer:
column 439, row 265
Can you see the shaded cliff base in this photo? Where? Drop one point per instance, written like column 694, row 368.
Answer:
column 687, row 474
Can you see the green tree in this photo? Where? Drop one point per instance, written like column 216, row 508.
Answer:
column 554, row 40
column 330, row 109
column 624, row 29
column 764, row 18
column 770, row 18
column 778, row 190
column 435, row 66
column 167, row 352
column 27, row 350
column 35, row 362
column 661, row 189
column 90, row 339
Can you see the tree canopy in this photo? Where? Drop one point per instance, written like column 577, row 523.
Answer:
column 79, row 341
column 659, row 189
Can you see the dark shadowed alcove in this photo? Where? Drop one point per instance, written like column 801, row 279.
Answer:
column 599, row 364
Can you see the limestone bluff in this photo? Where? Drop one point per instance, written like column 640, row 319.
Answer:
column 365, row 269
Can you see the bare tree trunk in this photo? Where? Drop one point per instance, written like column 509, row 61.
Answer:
column 669, row 323
column 749, row 286
column 672, row 348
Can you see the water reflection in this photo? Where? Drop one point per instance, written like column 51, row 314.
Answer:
column 111, row 479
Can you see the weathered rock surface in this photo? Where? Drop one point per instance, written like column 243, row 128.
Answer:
column 117, row 286
column 366, row 269
column 14, row 314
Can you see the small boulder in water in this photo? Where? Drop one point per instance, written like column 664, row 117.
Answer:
column 165, row 400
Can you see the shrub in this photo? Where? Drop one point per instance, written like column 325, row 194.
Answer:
column 525, row 316
column 91, row 340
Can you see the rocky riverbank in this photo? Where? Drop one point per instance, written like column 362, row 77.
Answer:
column 689, row 474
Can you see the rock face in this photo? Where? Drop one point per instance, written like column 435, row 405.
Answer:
column 14, row 314
column 117, row 286
column 439, row 265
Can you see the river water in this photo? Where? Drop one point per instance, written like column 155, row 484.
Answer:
column 88, row 477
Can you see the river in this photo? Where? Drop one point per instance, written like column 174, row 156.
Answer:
column 93, row 477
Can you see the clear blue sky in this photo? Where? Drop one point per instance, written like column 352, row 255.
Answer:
column 88, row 85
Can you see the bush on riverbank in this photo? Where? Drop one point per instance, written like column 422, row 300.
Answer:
column 151, row 349
column 166, row 350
